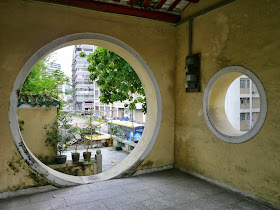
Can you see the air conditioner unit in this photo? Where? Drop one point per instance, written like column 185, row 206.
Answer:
column 253, row 90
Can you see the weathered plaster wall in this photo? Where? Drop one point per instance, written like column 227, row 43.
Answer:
column 34, row 134
column 244, row 33
column 27, row 26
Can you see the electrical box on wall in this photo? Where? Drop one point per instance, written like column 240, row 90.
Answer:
column 192, row 82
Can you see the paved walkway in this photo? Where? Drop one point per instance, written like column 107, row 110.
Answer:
column 170, row 189
column 110, row 157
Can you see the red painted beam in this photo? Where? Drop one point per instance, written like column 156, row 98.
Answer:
column 132, row 2
column 120, row 9
column 146, row 3
column 193, row 1
column 160, row 3
column 173, row 5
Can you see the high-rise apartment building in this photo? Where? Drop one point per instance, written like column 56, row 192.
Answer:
column 83, row 94
column 249, row 103
column 86, row 92
column 242, row 105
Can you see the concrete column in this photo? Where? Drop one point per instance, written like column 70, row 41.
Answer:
column 98, row 158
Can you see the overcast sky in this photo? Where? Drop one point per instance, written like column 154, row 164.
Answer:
column 64, row 57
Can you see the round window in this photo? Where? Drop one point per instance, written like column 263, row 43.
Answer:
column 235, row 104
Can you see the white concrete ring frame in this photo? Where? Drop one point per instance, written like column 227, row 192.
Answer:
column 214, row 99
column 129, row 164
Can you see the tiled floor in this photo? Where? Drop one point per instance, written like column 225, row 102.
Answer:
column 170, row 189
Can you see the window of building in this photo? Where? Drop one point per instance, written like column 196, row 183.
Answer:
column 248, row 83
column 242, row 116
column 88, row 50
column 248, row 116
column 242, row 83
column 242, row 101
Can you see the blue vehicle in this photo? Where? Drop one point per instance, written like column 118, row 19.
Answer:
column 130, row 131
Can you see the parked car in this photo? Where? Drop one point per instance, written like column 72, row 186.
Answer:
column 95, row 116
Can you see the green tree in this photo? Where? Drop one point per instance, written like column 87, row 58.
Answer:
column 116, row 79
column 42, row 80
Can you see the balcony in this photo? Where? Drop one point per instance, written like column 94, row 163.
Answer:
column 83, row 92
column 84, row 99
column 81, row 79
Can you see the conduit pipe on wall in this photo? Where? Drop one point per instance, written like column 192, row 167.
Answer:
column 203, row 12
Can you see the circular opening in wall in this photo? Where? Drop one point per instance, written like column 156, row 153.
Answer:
column 70, row 109
column 235, row 104
column 153, row 118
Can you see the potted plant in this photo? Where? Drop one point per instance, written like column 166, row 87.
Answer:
column 92, row 130
column 61, row 147
column 78, row 134
column 56, row 138
column 88, row 142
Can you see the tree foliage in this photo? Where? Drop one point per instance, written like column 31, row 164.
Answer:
column 116, row 79
column 42, row 80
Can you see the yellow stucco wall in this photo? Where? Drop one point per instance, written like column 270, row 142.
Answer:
column 27, row 26
column 33, row 133
column 244, row 33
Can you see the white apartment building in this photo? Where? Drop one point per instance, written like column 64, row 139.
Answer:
column 83, row 95
column 86, row 92
column 242, row 104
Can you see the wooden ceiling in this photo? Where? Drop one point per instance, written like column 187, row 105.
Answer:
column 163, row 10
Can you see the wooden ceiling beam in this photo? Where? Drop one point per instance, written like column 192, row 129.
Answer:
column 132, row 2
column 160, row 3
column 173, row 5
column 146, row 3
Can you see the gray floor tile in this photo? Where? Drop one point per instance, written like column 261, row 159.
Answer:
column 207, row 189
column 174, row 187
column 72, row 191
column 40, row 197
column 130, row 188
column 226, row 198
column 44, row 205
column 169, row 189
column 95, row 205
column 127, row 199
column 12, row 203
column 134, row 206
column 170, row 200
column 113, row 183
column 247, row 205
column 199, row 204
column 157, row 203
column 58, row 203
column 93, row 196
